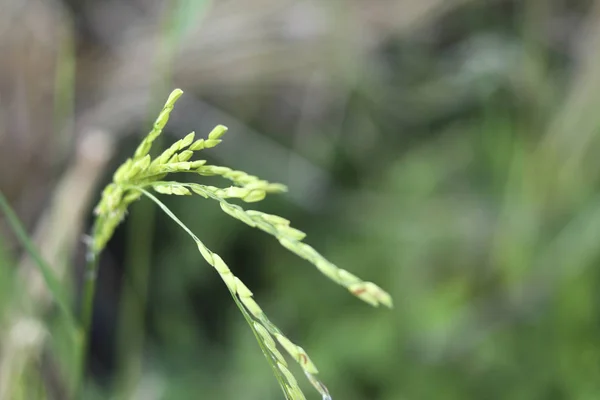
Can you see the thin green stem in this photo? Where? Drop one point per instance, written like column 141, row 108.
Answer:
column 89, row 289
column 87, row 310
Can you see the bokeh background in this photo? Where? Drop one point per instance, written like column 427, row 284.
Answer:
column 444, row 149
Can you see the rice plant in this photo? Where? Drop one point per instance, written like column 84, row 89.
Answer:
column 142, row 175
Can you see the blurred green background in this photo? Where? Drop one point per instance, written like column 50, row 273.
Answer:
column 444, row 149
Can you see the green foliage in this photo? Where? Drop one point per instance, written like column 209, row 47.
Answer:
column 24, row 330
column 52, row 282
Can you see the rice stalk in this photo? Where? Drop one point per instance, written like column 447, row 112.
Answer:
column 142, row 173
